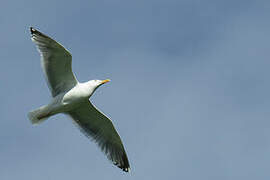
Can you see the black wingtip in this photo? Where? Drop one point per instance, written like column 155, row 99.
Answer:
column 126, row 169
column 36, row 32
column 125, row 166
column 32, row 30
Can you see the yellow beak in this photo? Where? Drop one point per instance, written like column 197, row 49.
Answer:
column 105, row 81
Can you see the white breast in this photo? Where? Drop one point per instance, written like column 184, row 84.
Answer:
column 77, row 94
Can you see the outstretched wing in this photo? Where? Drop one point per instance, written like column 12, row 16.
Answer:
column 56, row 63
column 97, row 126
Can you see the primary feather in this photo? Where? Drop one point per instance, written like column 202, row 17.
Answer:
column 56, row 63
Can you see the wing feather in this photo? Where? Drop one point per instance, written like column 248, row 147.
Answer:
column 56, row 63
column 98, row 127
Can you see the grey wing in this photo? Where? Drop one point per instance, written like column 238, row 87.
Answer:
column 56, row 63
column 97, row 126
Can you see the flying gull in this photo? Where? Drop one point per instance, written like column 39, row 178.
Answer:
column 72, row 98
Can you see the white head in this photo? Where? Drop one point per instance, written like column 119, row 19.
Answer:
column 94, row 84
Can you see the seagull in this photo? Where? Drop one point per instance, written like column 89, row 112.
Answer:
column 71, row 97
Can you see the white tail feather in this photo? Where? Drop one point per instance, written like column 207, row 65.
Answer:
column 39, row 115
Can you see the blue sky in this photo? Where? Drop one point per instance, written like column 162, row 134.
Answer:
column 189, row 93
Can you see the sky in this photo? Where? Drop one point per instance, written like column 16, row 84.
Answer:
column 189, row 91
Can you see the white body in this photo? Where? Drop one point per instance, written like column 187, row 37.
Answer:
column 64, row 102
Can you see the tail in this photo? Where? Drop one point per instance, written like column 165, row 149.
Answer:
column 39, row 115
